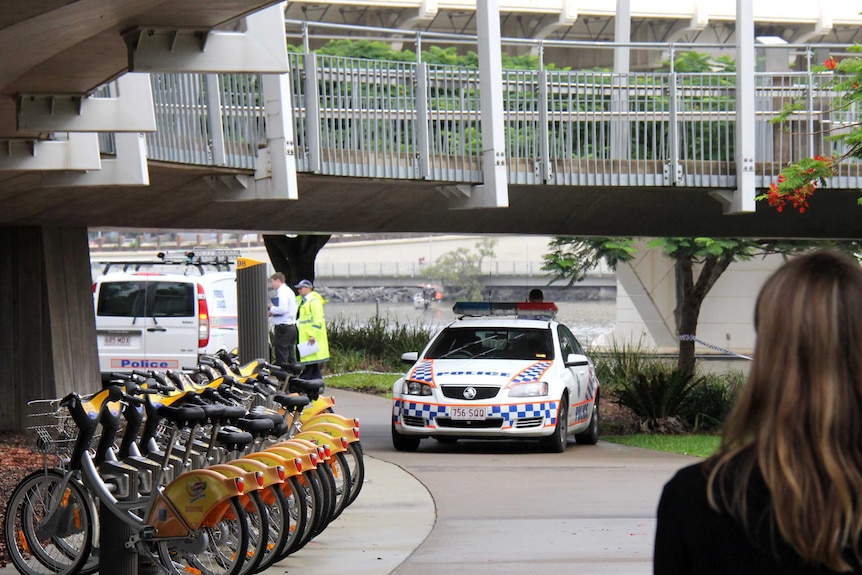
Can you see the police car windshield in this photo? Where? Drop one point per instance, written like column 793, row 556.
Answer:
column 493, row 343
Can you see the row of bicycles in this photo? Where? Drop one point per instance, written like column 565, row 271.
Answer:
column 224, row 469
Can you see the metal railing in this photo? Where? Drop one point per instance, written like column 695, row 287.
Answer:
column 414, row 120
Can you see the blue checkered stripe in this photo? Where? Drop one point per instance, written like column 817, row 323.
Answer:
column 427, row 411
column 423, row 371
column 511, row 413
column 532, row 373
column 592, row 386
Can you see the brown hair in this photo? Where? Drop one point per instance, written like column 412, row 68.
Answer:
column 798, row 421
column 278, row 276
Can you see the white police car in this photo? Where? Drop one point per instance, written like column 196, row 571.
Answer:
column 502, row 370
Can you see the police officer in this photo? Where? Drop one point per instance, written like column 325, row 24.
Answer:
column 312, row 331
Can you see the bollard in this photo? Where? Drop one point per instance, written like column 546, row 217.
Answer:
column 252, row 297
column 114, row 558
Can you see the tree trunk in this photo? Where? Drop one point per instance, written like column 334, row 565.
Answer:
column 294, row 256
column 690, row 297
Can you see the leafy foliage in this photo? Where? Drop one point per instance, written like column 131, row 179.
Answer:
column 711, row 400
column 659, row 399
column 462, row 268
column 700, row 62
column 699, row 263
column 573, row 257
column 377, row 50
column 623, row 362
column 799, row 180
column 376, row 344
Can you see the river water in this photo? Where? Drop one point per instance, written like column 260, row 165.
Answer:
column 587, row 320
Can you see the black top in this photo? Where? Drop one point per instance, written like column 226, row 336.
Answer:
column 692, row 538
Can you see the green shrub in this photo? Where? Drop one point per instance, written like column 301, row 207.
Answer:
column 376, row 344
column 712, row 399
column 623, row 363
column 659, row 398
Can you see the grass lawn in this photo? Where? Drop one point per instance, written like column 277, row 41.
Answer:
column 696, row 445
column 374, row 383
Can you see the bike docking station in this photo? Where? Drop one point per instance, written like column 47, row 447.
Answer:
column 127, row 479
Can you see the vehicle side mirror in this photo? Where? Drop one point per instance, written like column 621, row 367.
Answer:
column 409, row 357
column 576, row 360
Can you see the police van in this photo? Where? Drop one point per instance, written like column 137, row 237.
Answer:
column 163, row 314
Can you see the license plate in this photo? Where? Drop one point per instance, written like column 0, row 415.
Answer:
column 117, row 341
column 469, row 413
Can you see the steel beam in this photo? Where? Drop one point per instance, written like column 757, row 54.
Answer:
column 257, row 46
column 78, row 152
column 127, row 168
column 129, row 110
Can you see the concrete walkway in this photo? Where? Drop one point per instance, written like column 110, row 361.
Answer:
column 392, row 516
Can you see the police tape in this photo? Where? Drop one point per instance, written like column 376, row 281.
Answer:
column 725, row 351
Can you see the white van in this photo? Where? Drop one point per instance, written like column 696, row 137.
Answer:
column 153, row 320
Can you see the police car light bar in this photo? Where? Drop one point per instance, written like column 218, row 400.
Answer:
column 520, row 309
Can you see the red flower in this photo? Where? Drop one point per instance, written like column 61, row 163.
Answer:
column 830, row 63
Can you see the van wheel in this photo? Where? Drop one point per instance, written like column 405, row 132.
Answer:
column 403, row 442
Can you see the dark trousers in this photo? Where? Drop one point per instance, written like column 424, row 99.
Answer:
column 284, row 341
column 311, row 371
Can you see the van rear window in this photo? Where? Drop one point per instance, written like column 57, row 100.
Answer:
column 146, row 299
column 122, row 299
column 173, row 299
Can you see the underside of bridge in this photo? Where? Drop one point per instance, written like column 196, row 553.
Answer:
column 195, row 198
column 55, row 53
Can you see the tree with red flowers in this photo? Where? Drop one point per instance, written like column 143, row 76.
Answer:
column 798, row 181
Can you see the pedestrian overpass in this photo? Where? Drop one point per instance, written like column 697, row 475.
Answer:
column 218, row 128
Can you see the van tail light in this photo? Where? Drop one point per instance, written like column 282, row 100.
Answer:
column 203, row 318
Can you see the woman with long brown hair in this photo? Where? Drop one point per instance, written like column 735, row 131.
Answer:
column 783, row 494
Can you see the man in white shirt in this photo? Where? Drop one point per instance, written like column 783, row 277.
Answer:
column 282, row 309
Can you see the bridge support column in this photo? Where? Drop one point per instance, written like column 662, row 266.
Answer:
column 48, row 340
column 743, row 198
column 494, row 191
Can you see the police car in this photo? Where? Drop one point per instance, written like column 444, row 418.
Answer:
column 502, row 370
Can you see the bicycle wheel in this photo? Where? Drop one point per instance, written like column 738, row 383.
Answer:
column 48, row 526
column 327, row 486
column 226, row 546
column 278, row 512
column 314, row 501
column 341, row 475
column 257, row 519
column 357, row 469
column 301, row 517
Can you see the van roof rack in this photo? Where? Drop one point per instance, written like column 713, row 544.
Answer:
column 221, row 260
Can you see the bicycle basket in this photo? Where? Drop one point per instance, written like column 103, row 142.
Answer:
column 52, row 429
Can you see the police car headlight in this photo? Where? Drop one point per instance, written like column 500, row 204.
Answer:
column 529, row 389
column 416, row 388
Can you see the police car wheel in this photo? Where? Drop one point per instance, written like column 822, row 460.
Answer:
column 591, row 435
column 446, row 439
column 403, row 442
column 556, row 442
